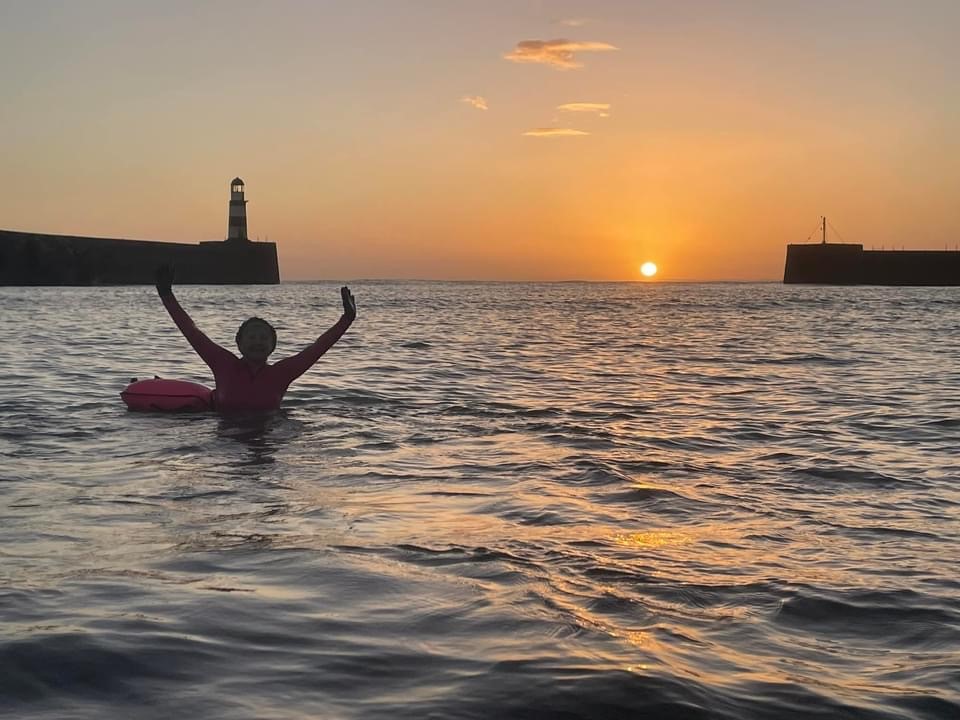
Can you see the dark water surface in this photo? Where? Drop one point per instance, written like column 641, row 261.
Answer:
column 488, row 501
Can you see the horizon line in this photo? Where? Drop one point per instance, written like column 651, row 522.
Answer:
column 554, row 281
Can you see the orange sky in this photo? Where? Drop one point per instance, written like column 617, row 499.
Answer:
column 494, row 140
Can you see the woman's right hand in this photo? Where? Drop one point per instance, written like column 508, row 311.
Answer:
column 165, row 280
column 349, row 304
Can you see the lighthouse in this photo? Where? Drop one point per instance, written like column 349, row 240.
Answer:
column 237, row 224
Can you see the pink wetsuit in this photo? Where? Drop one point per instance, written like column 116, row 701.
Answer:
column 241, row 385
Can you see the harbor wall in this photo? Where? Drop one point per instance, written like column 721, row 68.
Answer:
column 850, row 264
column 39, row 259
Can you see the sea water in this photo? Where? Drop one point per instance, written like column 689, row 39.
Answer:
column 488, row 501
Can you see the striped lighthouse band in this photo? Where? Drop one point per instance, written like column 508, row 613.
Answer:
column 237, row 221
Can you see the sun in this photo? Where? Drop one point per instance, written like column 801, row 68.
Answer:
column 648, row 269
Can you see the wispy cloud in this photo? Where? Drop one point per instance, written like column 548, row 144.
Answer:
column 554, row 132
column 601, row 109
column 575, row 22
column 557, row 53
column 480, row 103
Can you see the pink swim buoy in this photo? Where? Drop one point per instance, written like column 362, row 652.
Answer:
column 164, row 395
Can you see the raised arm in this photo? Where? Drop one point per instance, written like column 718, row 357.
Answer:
column 296, row 365
column 211, row 353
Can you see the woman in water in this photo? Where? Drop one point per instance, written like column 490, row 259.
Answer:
column 249, row 382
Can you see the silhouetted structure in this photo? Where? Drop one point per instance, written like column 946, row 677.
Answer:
column 237, row 221
column 39, row 259
column 849, row 264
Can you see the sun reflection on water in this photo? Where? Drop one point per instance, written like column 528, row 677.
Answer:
column 652, row 538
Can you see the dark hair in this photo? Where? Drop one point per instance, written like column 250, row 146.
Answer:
column 249, row 321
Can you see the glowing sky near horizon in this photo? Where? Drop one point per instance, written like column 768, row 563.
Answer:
column 487, row 140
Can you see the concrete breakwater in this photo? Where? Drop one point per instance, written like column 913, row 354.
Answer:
column 849, row 264
column 39, row 259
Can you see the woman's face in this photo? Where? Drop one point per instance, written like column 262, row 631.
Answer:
column 256, row 342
